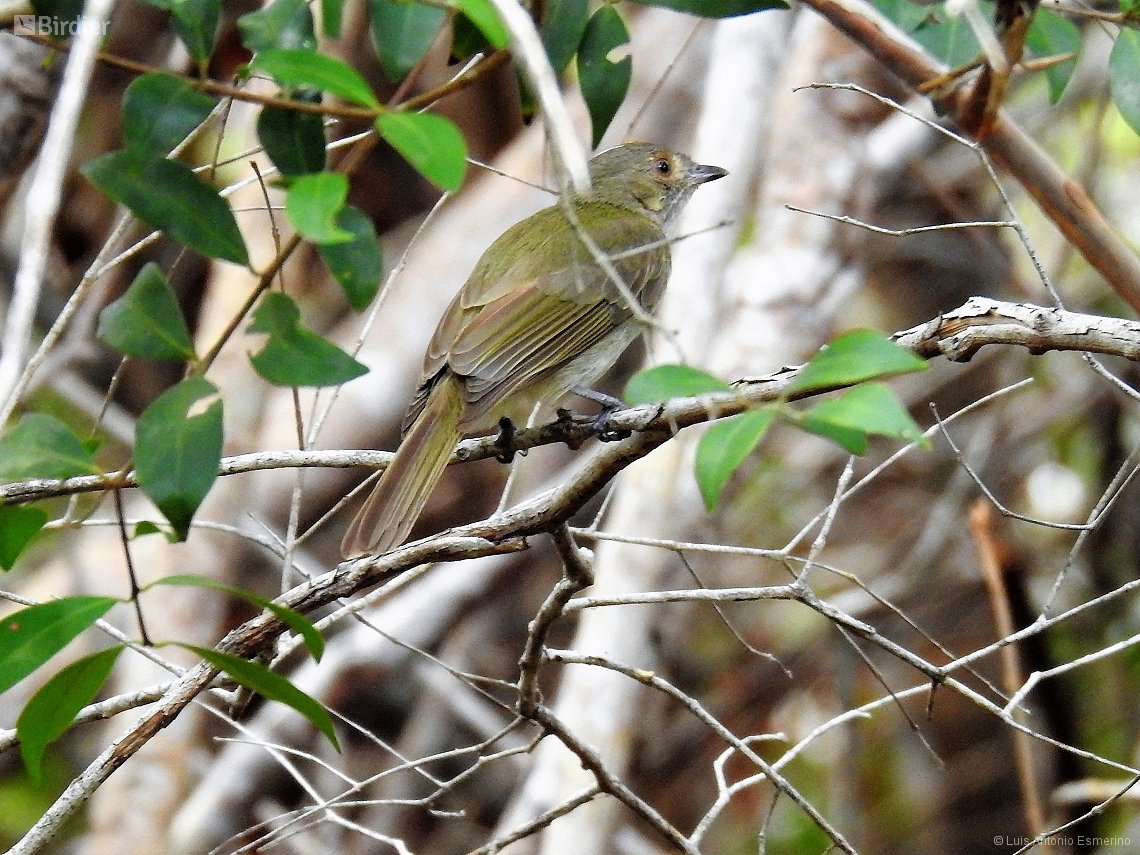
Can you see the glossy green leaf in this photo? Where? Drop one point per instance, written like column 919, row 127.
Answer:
column 358, row 264
column 483, row 15
column 178, row 445
column 52, row 709
column 871, row 408
column 402, row 32
column 670, row 381
column 1124, row 76
column 146, row 322
column 294, row 141
column 270, row 685
column 717, row 8
column 604, row 68
column 430, row 143
column 18, row 525
column 159, row 112
column 281, row 24
column 1052, row 35
column 312, row 205
column 852, row 358
column 562, row 30
column 293, row 355
column 295, row 69
column 725, row 445
column 41, row 446
column 294, row 620
column 32, row 636
column 171, row 198
column 196, row 22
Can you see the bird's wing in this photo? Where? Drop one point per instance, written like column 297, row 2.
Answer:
column 516, row 334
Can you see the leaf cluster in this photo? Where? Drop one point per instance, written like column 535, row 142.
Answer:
column 865, row 409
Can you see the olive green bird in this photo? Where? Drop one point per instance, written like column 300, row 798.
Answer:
column 537, row 318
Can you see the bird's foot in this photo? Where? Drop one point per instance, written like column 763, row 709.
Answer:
column 609, row 405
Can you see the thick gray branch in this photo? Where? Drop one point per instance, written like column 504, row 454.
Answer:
column 959, row 334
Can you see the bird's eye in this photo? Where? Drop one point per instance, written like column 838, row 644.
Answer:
column 663, row 166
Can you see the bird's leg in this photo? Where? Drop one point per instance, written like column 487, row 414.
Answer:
column 505, row 441
column 609, row 405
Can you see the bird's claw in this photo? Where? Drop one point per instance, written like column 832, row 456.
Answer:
column 606, row 432
column 610, row 405
column 505, row 441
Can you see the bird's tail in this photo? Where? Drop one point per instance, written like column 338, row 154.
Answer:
column 398, row 498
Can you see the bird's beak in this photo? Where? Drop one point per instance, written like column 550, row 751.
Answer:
column 702, row 174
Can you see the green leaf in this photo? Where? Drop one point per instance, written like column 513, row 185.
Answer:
column 145, row 527
column 851, row 440
column 430, row 143
column 483, row 15
column 32, row 636
column 293, row 355
column 176, row 453
column 717, row 8
column 18, row 525
column 294, row 620
column 562, row 30
column 171, row 198
column 1051, row 35
column 294, row 69
column 281, row 24
column 294, row 141
column 604, row 68
column 1124, row 76
column 724, row 447
column 331, row 14
column 313, row 203
column 52, row 709
column 528, row 104
column 147, row 321
column 670, row 381
column 270, row 685
column 466, row 39
column 159, row 112
column 41, row 446
column 906, row 14
column 402, row 32
column 871, row 408
column 852, row 358
column 358, row 264
column 196, row 22
column 950, row 39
